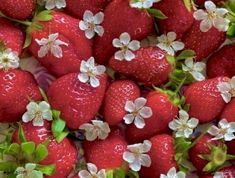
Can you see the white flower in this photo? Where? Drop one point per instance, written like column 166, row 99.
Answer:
column 136, row 156
column 183, row 126
column 9, row 59
column 51, row 4
column 218, row 175
column 92, row 172
column 98, row 129
column 28, row 172
column 227, row 89
column 89, row 72
column 167, row 43
column 137, row 112
column 173, row 174
column 194, row 68
column 127, row 46
column 225, row 130
column 37, row 113
column 91, row 24
column 52, row 44
column 143, row 4
column 212, row 17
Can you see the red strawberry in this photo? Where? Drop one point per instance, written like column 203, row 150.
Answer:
column 79, row 48
column 200, row 148
column 201, row 2
column 77, row 7
column 228, row 172
column 106, row 154
column 179, row 18
column 63, row 155
column 18, row 9
column 196, row 40
column 162, row 156
column 205, row 100
column 16, row 88
column 228, row 112
column 11, row 35
column 118, row 93
column 78, row 102
column 222, row 62
column 119, row 17
column 150, row 66
column 163, row 112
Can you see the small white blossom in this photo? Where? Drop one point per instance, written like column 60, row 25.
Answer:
column 98, row 129
column 225, row 130
column 218, row 175
column 183, row 126
column 143, row 4
column 137, row 112
column 137, row 157
column 127, row 47
column 173, row 174
column 227, row 89
column 52, row 44
column 37, row 113
column 89, row 72
column 92, row 172
column 212, row 17
column 91, row 24
column 194, row 68
column 28, row 172
column 169, row 44
column 9, row 59
column 51, row 4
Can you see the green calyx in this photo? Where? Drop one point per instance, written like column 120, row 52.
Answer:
column 189, row 4
column 217, row 158
column 121, row 173
column 19, row 154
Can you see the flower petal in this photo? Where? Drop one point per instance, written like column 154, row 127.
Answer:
column 83, row 77
column 145, row 160
column 129, row 106
column 146, row 112
column 99, row 18
column 140, row 102
column 205, row 25
column 129, row 56
column 129, row 118
column 129, row 157
column 210, row 6
column 139, row 122
column 92, row 168
column 84, row 174
column 119, row 55
column 200, row 14
column 125, row 38
column 171, row 36
column 213, row 130
column 134, row 45
column 94, row 82
column 177, row 45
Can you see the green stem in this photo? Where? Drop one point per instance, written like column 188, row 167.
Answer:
column 180, row 85
column 27, row 23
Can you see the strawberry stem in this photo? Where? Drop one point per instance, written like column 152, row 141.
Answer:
column 27, row 23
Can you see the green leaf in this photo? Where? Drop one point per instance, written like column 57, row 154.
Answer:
column 8, row 166
column 188, row 53
column 119, row 173
column 188, row 4
column 58, row 127
column 28, row 147
column 28, row 39
column 13, row 149
column 46, row 169
column 44, row 16
column 182, row 145
column 133, row 174
column 21, row 135
column 157, row 13
column 109, row 174
column 231, row 31
column 41, row 152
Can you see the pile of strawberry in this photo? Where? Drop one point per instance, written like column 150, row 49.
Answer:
column 117, row 88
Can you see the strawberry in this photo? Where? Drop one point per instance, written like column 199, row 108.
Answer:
column 119, row 18
column 208, row 155
column 63, row 155
column 77, row 8
column 11, row 36
column 18, row 9
column 106, row 154
column 78, row 102
column 204, row 99
column 77, row 47
column 179, row 17
column 151, row 66
column 162, row 156
column 16, row 89
column 118, row 93
column 222, row 62
column 196, row 40
column 163, row 110
column 228, row 112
